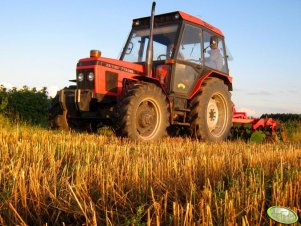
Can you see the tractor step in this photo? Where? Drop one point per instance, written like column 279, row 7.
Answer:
column 181, row 123
column 182, row 109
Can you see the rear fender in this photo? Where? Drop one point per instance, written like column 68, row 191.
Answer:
column 226, row 78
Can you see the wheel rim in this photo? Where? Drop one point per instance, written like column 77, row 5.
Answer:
column 147, row 119
column 217, row 115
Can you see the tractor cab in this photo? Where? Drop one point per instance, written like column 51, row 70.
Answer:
column 185, row 49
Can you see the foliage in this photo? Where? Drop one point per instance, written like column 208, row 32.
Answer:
column 66, row 178
column 290, row 123
column 284, row 117
column 257, row 137
column 295, row 133
column 25, row 105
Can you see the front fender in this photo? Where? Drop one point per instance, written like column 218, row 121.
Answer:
column 151, row 80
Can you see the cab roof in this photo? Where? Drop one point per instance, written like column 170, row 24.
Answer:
column 198, row 21
column 175, row 16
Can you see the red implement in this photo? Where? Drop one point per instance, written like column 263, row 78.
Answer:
column 263, row 124
column 272, row 129
column 242, row 118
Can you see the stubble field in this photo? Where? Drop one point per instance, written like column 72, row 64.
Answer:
column 66, row 178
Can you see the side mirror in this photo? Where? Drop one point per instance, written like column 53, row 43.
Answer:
column 129, row 48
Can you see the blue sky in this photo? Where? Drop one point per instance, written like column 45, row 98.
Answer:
column 41, row 42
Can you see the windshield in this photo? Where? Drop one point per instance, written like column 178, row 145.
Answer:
column 163, row 44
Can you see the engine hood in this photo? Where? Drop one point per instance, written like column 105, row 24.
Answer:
column 111, row 63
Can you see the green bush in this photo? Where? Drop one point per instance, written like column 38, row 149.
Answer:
column 25, row 105
column 257, row 137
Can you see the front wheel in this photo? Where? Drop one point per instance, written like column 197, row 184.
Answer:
column 211, row 114
column 143, row 113
column 57, row 115
column 59, row 121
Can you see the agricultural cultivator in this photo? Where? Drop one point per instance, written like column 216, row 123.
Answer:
column 256, row 129
column 172, row 73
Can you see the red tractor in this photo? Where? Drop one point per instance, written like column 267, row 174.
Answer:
column 172, row 72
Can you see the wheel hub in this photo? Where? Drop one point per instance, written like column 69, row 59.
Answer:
column 146, row 119
column 212, row 114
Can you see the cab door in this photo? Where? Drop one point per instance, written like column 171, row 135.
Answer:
column 188, row 64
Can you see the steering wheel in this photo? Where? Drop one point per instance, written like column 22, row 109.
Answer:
column 161, row 55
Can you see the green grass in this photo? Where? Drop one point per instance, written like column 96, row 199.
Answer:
column 296, row 134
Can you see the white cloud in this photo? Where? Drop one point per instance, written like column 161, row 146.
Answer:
column 250, row 112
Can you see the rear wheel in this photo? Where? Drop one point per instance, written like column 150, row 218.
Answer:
column 211, row 114
column 143, row 113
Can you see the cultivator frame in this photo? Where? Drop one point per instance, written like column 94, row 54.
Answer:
column 272, row 129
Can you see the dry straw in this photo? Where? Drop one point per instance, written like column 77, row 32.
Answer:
column 59, row 178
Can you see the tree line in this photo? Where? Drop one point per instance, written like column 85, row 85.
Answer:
column 285, row 117
column 31, row 105
column 25, row 105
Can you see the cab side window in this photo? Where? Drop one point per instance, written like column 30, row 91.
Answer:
column 214, row 52
column 190, row 46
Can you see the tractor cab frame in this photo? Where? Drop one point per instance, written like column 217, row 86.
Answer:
column 182, row 51
column 184, row 56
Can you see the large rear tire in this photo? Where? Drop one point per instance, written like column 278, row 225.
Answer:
column 143, row 113
column 211, row 111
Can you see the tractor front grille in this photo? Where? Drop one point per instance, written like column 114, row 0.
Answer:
column 111, row 81
column 85, row 84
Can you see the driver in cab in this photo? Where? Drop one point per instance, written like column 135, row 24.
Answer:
column 215, row 59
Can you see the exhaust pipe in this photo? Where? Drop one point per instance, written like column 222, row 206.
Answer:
column 149, row 56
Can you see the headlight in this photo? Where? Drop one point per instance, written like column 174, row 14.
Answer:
column 80, row 77
column 91, row 76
